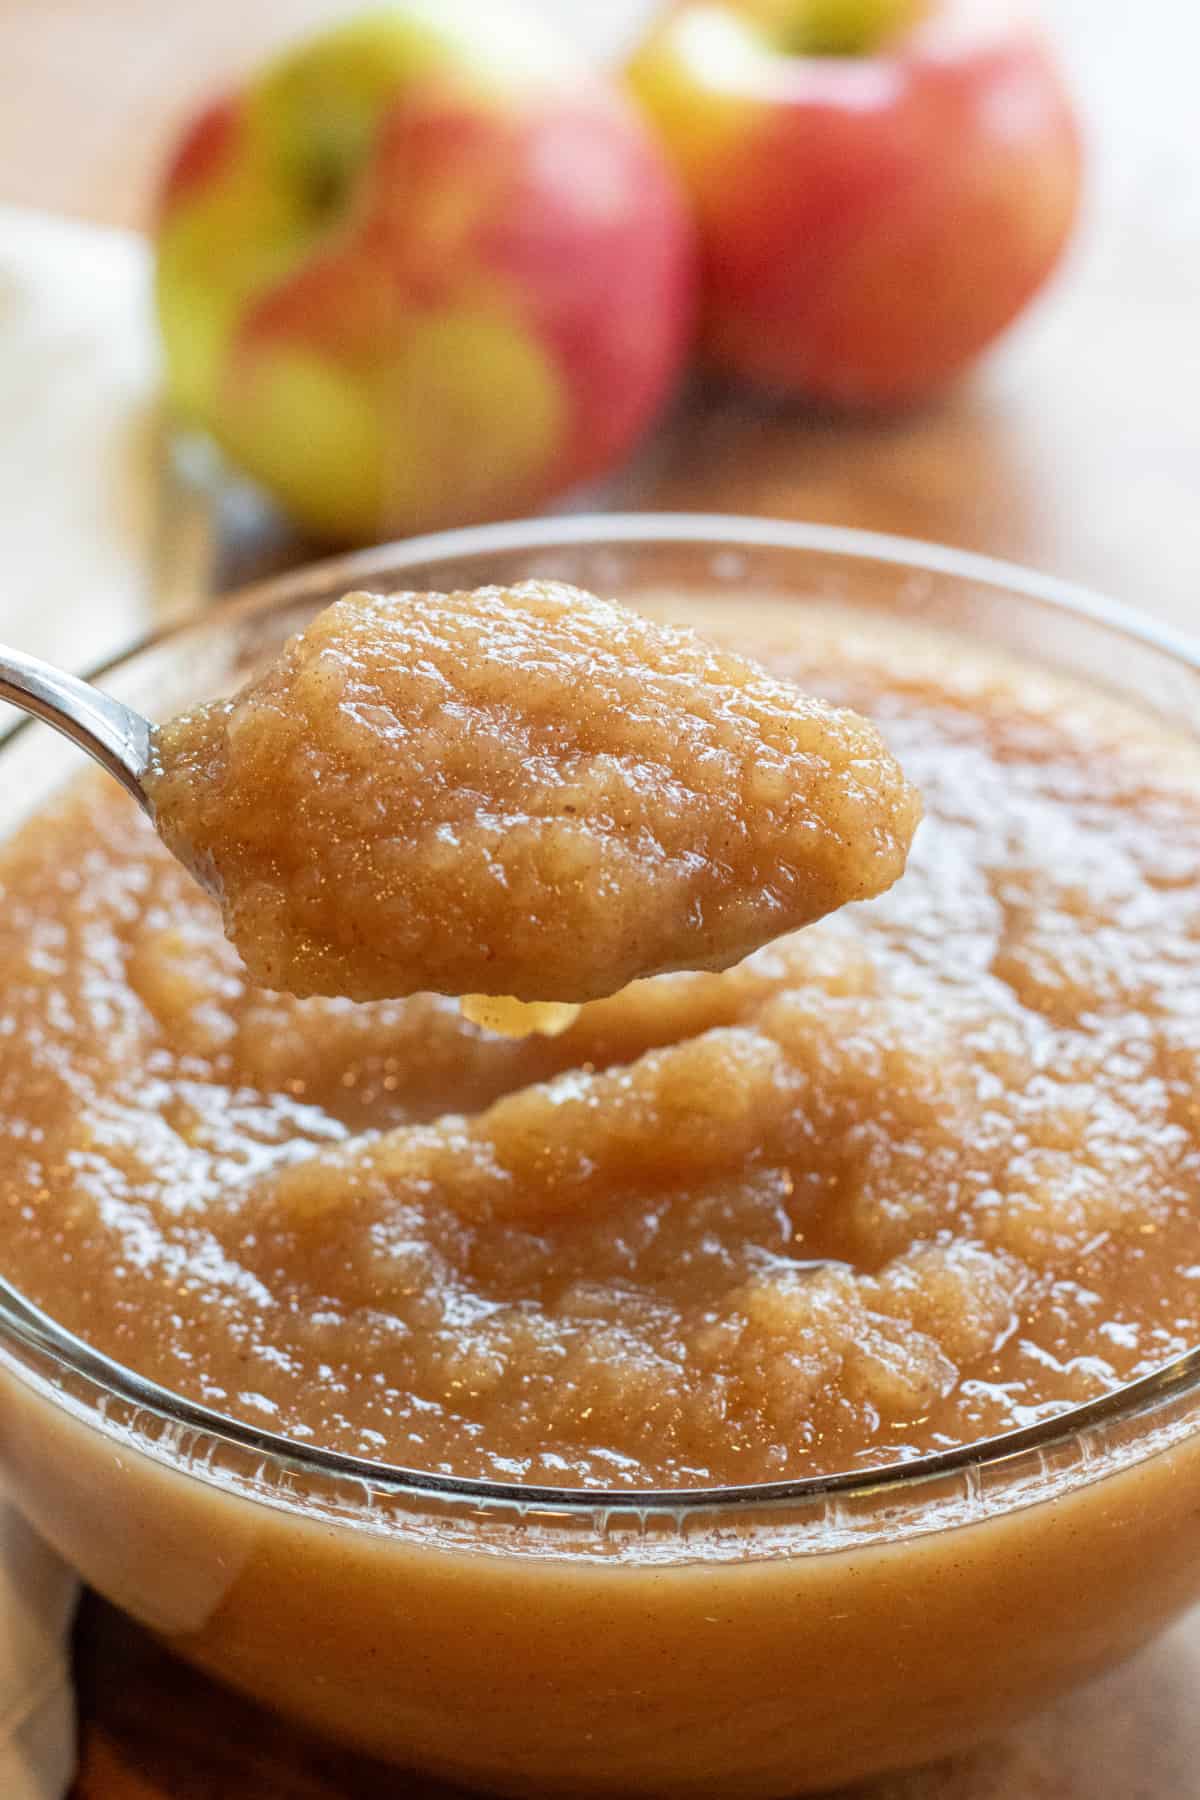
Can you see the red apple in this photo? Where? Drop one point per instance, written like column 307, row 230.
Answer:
column 423, row 270
column 880, row 185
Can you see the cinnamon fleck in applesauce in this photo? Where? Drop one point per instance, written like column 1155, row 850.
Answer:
column 526, row 792
column 908, row 1178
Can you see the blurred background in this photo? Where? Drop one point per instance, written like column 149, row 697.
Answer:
column 1073, row 444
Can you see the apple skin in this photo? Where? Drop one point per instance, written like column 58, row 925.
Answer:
column 868, row 222
column 424, row 270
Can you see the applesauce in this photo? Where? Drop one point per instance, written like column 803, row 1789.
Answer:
column 916, row 1176
column 742, row 1647
column 528, row 791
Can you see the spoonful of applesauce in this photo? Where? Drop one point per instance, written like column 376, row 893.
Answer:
column 521, row 792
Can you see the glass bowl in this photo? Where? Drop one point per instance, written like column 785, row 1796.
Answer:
column 717, row 1642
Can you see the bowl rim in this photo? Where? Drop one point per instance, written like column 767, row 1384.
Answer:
column 34, row 1329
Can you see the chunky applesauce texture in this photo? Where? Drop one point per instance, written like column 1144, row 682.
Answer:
column 527, row 793
column 923, row 1172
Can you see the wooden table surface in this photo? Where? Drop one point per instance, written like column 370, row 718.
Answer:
column 1076, row 447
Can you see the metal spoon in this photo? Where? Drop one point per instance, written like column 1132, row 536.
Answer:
column 111, row 732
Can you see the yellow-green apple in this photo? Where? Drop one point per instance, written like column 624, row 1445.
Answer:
column 424, row 269
column 880, row 185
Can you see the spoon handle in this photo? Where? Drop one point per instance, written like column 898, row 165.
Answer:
column 116, row 736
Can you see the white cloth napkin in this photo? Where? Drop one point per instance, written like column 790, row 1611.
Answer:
column 99, row 540
column 37, row 1715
